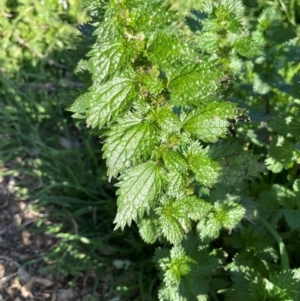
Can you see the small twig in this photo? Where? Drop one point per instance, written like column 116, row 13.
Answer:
column 8, row 277
column 9, row 259
column 53, row 297
column 6, row 15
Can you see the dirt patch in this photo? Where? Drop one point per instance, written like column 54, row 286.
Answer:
column 21, row 256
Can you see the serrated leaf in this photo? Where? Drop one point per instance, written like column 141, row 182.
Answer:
column 107, row 58
column 254, row 241
column 206, row 170
column 208, row 41
column 196, row 282
column 167, row 120
column 176, row 183
column 223, row 149
column 139, row 187
column 169, row 293
column 193, row 285
column 80, row 106
column 176, row 265
column 194, row 22
column 268, row 205
column 194, row 84
column 127, row 146
column 246, row 47
column 149, row 229
column 107, row 30
column 225, row 214
column 197, row 209
column 208, row 230
column 210, row 122
column 248, row 285
column 173, row 220
column 228, row 213
column 109, row 101
column 173, row 160
column 163, row 56
column 285, row 286
column 154, row 84
column 237, row 166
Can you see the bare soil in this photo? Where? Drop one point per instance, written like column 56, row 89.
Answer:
column 21, row 256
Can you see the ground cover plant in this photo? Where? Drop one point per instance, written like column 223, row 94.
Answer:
column 56, row 165
column 200, row 127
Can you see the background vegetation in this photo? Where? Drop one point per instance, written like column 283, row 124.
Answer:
column 57, row 163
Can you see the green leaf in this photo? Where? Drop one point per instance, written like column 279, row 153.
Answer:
column 176, row 265
column 237, row 165
column 224, row 214
column 173, row 220
column 128, row 144
column 167, row 120
column 248, row 285
column 292, row 218
column 269, row 206
column 285, row 197
column 173, row 160
column 286, row 125
column 285, row 286
column 109, row 101
column 163, row 56
column 281, row 201
column 208, row 42
column 281, row 151
column 260, row 86
column 246, row 47
column 80, row 106
column 108, row 58
column 177, row 182
column 196, row 208
column 107, row 30
column 210, row 122
column 194, row 84
column 206, row 170
column 149, row 229
column 255, row 247
column 196, row 282
column 273, row 165
column 296, row 186
column 139, row 188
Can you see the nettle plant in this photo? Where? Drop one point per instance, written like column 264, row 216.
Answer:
column 160, row 100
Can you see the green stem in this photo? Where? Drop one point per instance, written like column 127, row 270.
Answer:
column 285, row 265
